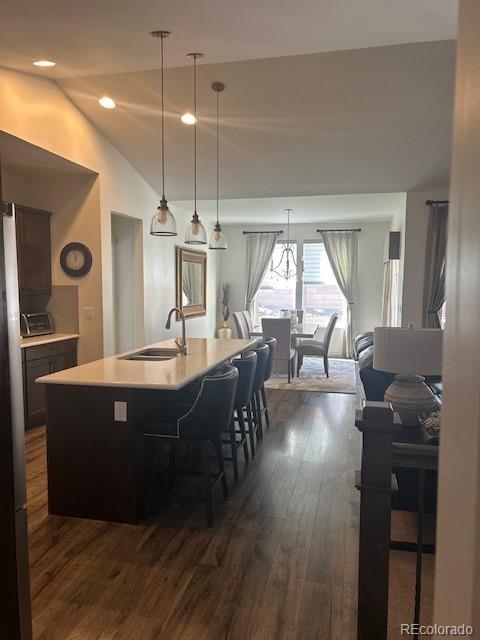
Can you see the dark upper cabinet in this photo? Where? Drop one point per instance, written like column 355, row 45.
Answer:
column 34, row 251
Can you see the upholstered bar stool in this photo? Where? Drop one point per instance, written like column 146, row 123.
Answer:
column 246, row 366
column 202, row 424
column 272, row 349
column 281, row 329
column 262, row 350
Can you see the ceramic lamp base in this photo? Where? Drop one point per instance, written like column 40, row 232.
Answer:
column 410, row 398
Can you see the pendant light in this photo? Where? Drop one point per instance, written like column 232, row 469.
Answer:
column 163, row 222
column 218, row 240
column 195, row 231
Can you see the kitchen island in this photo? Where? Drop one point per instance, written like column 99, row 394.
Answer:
column 94, row 412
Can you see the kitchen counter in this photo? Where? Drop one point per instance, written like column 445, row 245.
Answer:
column 94, row 414
column 203, row 354
column 36, row 341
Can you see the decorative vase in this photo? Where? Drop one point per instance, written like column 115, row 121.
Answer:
column 410, row 398
column 225, row 332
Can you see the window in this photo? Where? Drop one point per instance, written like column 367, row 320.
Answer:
column 276, row 293
column 317, row 292
column 321, row 293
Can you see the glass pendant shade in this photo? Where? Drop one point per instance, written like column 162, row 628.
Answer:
column 163, row 222
column 195, row 231
column 217, row 240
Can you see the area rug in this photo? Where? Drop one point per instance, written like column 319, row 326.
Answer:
column 312, row 377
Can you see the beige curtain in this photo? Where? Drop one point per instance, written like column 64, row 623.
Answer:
column 260, row 247
column 342, row 252
column 390, row 294
column 435, row 258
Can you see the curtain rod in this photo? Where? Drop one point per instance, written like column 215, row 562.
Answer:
column 332, row 230
column 245, row 233
column 430, row 202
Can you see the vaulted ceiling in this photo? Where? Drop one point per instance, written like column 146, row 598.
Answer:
column 361, row 121
column 322, row 96
column 90, row 37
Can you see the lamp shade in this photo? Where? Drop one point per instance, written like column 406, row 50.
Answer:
column 414, row 351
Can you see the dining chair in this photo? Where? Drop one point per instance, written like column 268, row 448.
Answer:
column 316, row 346
column 248, row 320
column 241, row 325
column 200, row 425
column 281, row 329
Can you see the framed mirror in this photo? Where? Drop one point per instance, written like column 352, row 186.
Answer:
column 191, row 281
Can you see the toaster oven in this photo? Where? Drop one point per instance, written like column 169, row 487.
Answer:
column 36, row 324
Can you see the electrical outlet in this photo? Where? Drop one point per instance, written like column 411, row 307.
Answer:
column 120, row 411
column 88, row 313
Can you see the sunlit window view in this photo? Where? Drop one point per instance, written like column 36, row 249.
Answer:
column 320, row 296
column 275, row 292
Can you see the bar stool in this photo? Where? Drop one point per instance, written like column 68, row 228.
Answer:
column 272, row 349
column 262, row 350
column 202, row 424
column 246, row 366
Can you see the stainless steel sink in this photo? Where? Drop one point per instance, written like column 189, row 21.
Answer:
column 156, row 355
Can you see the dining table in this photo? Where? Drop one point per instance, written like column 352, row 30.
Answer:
column 299, row 330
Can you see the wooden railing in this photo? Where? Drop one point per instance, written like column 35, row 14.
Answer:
column 375, row 480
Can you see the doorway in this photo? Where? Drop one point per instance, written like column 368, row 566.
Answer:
column 127, row 282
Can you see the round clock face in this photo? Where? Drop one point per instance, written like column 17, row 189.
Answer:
column 76, row 259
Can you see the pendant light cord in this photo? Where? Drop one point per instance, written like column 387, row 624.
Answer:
column 195, row 130
column 163, row 123
column 218, row 152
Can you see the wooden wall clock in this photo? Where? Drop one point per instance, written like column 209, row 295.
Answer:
column 76, row 259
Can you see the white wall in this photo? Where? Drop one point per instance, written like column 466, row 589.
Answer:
column 37, row 110
column 416, row 226
column 457, row 560
column 370, row 264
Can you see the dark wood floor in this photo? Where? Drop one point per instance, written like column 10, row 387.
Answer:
column 280, row 562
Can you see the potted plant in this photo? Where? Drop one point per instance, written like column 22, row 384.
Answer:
column 225, row 331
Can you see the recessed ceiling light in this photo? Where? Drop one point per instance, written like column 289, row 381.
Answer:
column 107, row 103
column 44, row 63
column 188, row 118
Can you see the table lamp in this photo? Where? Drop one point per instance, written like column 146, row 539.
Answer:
column 411, row 354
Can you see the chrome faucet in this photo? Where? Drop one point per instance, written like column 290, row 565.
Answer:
column 182, row 345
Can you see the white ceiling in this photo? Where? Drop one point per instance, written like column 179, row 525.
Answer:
column 92, row 37
column 310, row 209
column 362, row 121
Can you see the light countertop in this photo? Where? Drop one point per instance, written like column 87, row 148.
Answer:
column 203, row 355
column 35, row 341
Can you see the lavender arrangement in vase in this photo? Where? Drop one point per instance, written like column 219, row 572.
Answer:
column 225, row 331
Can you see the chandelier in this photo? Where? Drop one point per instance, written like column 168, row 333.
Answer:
column 287, row 264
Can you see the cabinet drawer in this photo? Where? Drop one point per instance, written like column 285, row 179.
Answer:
column 65, row 361
column 49, row 350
